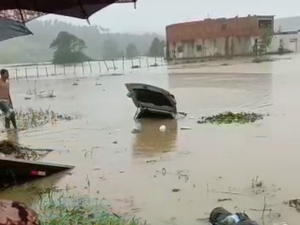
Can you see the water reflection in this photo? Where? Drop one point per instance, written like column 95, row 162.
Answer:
column 150, row 141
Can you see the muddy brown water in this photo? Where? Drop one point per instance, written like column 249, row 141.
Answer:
column 137, row 174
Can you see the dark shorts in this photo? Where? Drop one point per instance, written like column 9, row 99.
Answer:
column 6, row 108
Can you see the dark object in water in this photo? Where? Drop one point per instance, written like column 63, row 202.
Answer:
column 15, row 172
column 219, row 216
column 17, row 213
column 151, row 101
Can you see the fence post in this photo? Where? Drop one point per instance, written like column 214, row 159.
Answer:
column 123, row 63
column 55, row 69
column 82, row 65
column 114, row 65
column 16, row 73
column 140, row 61
column 99, row 63
column 91, row 70
column 37, row 71
column 75, row 69
column 46, row 70
column 64, row 69
column 147, row 62
column 26, row 73
column 106, row 65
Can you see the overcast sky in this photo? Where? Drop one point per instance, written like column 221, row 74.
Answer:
column 154, row 15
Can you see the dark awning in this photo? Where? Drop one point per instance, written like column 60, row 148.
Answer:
column 26, row 10
column 11, row 29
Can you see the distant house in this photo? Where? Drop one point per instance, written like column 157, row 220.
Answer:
column 289, row 40
column 216, row 37
column 287, row 34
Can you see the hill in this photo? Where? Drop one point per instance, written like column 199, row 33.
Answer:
column 36, row 48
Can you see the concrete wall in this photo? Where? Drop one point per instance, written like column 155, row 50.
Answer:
column 222, row 46
column 291, row 41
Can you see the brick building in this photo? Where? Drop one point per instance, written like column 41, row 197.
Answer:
column 215, row 37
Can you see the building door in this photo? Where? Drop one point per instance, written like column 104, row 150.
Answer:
column 294, row 45
column 190, row 47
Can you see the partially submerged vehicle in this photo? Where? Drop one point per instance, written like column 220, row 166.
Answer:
column 16, row 171
column 151, row 101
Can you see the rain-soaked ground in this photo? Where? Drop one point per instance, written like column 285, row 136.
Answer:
column 137, row 173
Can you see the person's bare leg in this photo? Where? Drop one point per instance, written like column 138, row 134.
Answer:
column 13, row 120
column 7, row 123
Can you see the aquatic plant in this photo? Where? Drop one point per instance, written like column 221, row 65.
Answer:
column 31, row 118
column 10, row 148
column 230, row 117
column 60, row 208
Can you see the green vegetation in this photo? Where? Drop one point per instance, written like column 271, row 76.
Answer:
column 156, row 48
column 35, row 48
column 59, row 207
column 68, row 49
column 31, row 118
column 11, row 148
column 266, row 40
column 230, row 117
column 132, row 51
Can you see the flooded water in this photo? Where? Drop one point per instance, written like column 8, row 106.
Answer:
column 136, row 173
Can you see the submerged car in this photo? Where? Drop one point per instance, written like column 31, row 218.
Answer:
column 16, row 171
column 151, row 101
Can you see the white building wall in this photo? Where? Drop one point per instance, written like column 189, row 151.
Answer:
column 222, row 46
column 291, row 41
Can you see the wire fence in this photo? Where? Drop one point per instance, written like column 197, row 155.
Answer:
column 93, row 68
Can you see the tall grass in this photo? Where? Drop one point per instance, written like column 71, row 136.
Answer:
column 58, row 207
column 31, row 118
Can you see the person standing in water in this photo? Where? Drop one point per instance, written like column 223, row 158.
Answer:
column 6, row 105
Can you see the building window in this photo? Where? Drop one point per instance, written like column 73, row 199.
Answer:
column 262, row 24
column 179, row 49
column 223, row 26
column 199, row 48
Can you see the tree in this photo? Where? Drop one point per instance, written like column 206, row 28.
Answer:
column 157, row 48
column 68, row 49
column 111, row 49
column 266, row 40
column 131, row 51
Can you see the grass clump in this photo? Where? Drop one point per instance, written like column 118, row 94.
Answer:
column 15, row 150
column 31, row 118
column 68, row 210
column 230, row 117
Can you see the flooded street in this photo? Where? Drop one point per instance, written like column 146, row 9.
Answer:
column 136, row 173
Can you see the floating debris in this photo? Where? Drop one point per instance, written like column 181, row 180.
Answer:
column 294, row 203
column 162, row 128
column 230, row 117
column 185, row 128
column 12, row 149
column 224, row 199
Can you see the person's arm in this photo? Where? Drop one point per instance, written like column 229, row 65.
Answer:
column 10, row 101
column 9, row 97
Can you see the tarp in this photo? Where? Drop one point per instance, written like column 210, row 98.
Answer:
column 11, row 29
column 26, row 10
